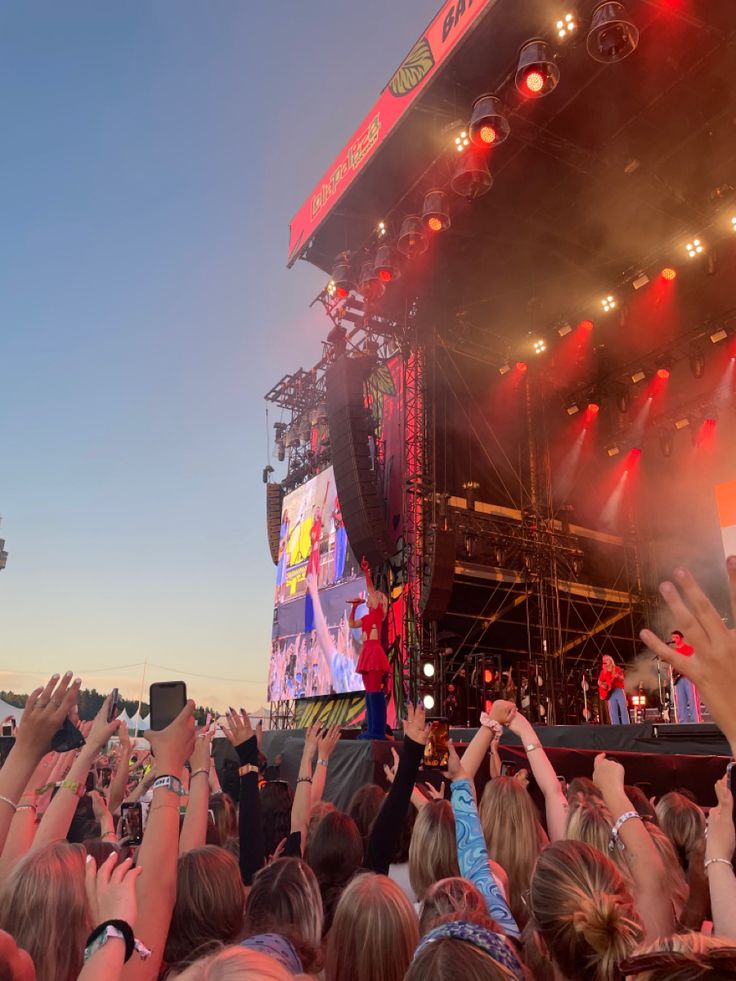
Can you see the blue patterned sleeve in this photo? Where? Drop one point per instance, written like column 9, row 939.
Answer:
column 472, row 856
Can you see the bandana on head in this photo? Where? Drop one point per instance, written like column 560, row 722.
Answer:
column 277, row 947
column 486, row 940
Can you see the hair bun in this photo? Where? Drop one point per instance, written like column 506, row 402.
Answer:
column 598, row 919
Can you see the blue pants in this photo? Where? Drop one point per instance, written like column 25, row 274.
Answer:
column 341, row 548
column 617, row 708
column 686, row 701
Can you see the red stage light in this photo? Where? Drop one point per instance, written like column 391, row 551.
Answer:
column 709, row 423
column 521, row 365
column 487, row 134
column 593, row 408
column 669, row 273
column 434, row 224
column 586, row 324
column 663, row 373
column 635, row 454
column 534, row 81
column 341, row 292
column 385, row 275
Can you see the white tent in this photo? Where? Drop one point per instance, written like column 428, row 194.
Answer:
column 10, row 710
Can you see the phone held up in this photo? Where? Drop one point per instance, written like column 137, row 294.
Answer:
column 114, row 710
column 132, row 815
column 436, row 752
column 167, row 699
column 731, row 782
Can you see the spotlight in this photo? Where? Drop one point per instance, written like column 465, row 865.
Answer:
column 370, row 285
column 697, row 362
column 718, row 335
column 504, row 369
column 488, row 125
column 666, row 444
column 694, row 248
column 663, row 373
column 682, row 423
column 608, row 303
column 472, row 178
column 381, row 230
column 565, row 26
column 462, row 141
column 331, row 288
column 638, row 376
column 436, row 211
column 385, row 264
column 572, row 409
column 733, row 223
column 539, row 347
column 521, row 366
column 640, row 281
column 428, row 669
column 564, row 329
column 343, row 276
column 586, row 325
column 593, row 409
column 613, row 450
column 612, row 36
column 428, row 701
column 669, row 274
column 537, row 74
column 412, row 241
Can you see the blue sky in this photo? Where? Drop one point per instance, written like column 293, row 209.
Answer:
column 152, row 157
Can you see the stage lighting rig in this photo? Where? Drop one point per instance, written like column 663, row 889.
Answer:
column 540, row 347
column 694, row 248
column 608, row 303
column 564, row 329
column 370, row 285
column 669, row 274
column 472, row 178
column 436, row 212
column 718, row 335
column 572, row 408
column 488, row 126
column 537, row 74
column 565, row 26
column 462, row 142
column 638, row 376
column 504, row 369
column 343, row 276
column 385, row 264
column 381, row 229
column 412, row 241
column 613, row 450
column 331, row 288
column 428, row 669
column 682, row 423
column 612, row 35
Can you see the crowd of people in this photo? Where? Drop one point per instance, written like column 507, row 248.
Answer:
column 421, row 882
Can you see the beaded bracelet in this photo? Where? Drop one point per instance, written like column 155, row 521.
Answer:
column 718, row 861
column 9, row 802
column 303, row 779
column 615, row 841
column 197, row 772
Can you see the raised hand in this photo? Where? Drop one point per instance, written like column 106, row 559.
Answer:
column 435, row 793
column 720, row 840
column 311, row 740
column 99, row 806
column 238, row 729
column 415, row 724
column 503, row 711
column 200, row 758
column 111, row 890
column 44, row 713
column 329, row 738
column 712, row 668
column 454, row 765
column 173, row 745
column 101, row 730
column 608, row 775
column 389, row 769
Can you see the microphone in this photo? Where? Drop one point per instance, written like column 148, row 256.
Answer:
column 671, row 643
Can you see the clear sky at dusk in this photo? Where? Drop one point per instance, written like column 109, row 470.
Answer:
column 153, row 154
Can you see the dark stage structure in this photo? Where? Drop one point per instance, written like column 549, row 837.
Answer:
column 534, row 233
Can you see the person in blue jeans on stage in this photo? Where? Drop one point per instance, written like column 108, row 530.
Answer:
column 611, row 691
column 687, row 701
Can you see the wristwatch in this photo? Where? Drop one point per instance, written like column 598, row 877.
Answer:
column 169, row 782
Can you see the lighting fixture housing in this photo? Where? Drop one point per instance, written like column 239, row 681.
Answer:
column 472, row 178
column 488, row 126
column 412, row 240
column 612, row 35
column 537, row 74
column 436, row 211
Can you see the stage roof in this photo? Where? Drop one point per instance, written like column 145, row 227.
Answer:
column 609, row 175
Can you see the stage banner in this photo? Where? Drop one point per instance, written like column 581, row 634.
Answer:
column 726, row 499
column 443, row 35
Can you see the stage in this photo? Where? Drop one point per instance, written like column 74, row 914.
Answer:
column 664, row 757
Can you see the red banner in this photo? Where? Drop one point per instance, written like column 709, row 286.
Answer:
column 441, row 37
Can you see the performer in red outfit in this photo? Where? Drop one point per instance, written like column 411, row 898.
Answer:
column 611, row 690
column 687, row 701
column 373, row 664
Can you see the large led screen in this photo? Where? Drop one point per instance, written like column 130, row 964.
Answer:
column 726, row 498
column 313, row 649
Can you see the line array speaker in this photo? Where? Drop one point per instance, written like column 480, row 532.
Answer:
column 439, row 573
column 356, row 480
column 274, row 503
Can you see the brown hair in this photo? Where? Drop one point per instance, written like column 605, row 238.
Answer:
column 318, row 811
column 209, row 904
column 226, row 817
column 685, row 957
column 674, row 883
column 683, row 822
column 285, row 899
column 236, row 964
column 583, row 912
column 374, row 933
column 458, row 960
column 335, row 853
column 363, row 807
column 43, row 905
column 433, row 849
column 506, row 804
column 451, row 895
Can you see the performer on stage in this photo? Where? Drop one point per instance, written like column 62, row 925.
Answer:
column 313, row 564
column 341, row 541
column 611, row 690
column 373, row 664
column 687, row 703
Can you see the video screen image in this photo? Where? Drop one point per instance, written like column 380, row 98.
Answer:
column 313, row 649
column 726, row 498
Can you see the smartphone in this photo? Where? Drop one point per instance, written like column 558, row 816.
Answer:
column 167, row 699
column 731, row 781
column 67, row 738
column 132, row 815
column 436, row 752
column 508, row 770
column 112, row 712
column 7, row 729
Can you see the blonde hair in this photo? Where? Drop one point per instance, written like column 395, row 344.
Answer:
column 209, row 904
column 236, row 964
column 43, row 905
column 451, row 895
column 674, row 882
column 583, row 912
column 688, row 957
column 589, row 820
column 683, row 822
column 374, row 933
column 433, row 848
column 505, row 805
column 226, row 817
column 456, row 960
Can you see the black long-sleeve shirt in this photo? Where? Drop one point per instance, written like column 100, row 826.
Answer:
column 250, row 829
column 386, row 829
